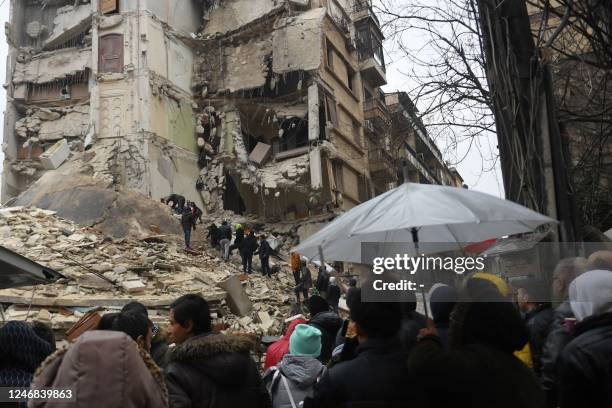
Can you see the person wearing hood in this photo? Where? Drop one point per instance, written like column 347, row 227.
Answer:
column 206, row 369
column 328, row 322
column 585, row 364
column 238, row 238
column 333, row 294
column 21, row 352
column 277, row 350
column 103, row 369
column 479, row 368
column 213, row 235
column 442, row 300
column 293, row 379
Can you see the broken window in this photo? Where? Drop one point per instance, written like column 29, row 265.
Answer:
column 363, row 188
column 332, row 115
column 338, row 173
column 111, row 53
column 109, row 6
column 330, row 56
column 295, row 136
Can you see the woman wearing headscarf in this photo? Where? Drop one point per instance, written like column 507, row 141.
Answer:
column 585, row 364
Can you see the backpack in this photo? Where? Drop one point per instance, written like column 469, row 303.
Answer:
column 277, row 377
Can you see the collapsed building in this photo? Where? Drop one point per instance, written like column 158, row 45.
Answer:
column 267, row 108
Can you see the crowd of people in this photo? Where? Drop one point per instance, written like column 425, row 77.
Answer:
column 485, row 345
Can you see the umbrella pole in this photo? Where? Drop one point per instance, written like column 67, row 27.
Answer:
column 415, row 240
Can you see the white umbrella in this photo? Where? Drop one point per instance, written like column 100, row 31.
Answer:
column 421, row 212
column 608, row 233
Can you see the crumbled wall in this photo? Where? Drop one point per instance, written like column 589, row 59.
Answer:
column 70, row 21
column 51, row 66
column 231, row 15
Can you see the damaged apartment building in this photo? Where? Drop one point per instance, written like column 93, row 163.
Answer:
column 271, row 108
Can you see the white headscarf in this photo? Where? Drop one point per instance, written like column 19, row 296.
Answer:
column 591, row 294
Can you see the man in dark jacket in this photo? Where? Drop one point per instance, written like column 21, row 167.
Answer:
column 412, row 321
column 565, row 272
column 213, row 235
column 479, row 369
column 225, row 235
column 327, row 322
column 209, row 370
column 585, row 364
column 378, row 375
column 351, row 290
column 333, row 294
column 264, row 256
column 534, row 302
column 188, row 222
column 247, row 249
column 178, row 202
column 322, row 281
column 238, row 238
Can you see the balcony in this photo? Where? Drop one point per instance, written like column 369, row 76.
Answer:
column 418, row 165
column 381, row 163
column 372, row 68
column 363, row 10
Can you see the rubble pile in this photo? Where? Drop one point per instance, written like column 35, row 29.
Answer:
column 104, row 273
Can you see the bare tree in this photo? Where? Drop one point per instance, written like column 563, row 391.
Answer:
column 440, row 42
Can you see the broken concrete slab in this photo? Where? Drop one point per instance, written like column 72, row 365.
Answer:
column 73, row 124
column 237, row 298
column 52, row 66
column 57, row 154
column 69, row 22
column 261, row 154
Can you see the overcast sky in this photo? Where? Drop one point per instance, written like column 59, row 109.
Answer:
column 470, row 168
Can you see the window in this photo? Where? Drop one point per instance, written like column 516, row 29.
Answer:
column 351, row 78
column 109, row 6
column 330, row 56
column 332, row 115
column 363, row 188
column 111, row 53
column 337, row 170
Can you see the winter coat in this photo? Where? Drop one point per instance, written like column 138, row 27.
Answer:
column 474, row 375
column 556, row 340
column 301, row 374
column 239, row 237
column 159, row 349
column 479, row 369
column 214, row 371
column 305, row 277
column 104, row 369
column 333, row 294
column 322, row 280
column 412, row 323
column 277, row 350
column 349, row 295
column 248, row 245
column 188, row 220
column 377, row 377
column 21, row 352
column 329, row 323
column 225, row 231
column 538, row 323
column 264, row 249
column 585, row 365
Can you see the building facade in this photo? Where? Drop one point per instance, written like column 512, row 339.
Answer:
column 263, row 107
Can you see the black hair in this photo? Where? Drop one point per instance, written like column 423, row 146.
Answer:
column 131, row 323
column 375, row 319
column 195, row 308
column 135, row 307
column 352, row 282
column 316, row 304
column 44, row 332
column 106, row 322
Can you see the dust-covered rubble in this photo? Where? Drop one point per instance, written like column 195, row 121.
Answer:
column 104, row 273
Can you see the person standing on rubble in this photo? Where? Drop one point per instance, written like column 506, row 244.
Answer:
column 239, row 237
column 213, row 235
column 264, row 256
column 333, row 294
column 207, row 369
column 177, row 200
column 188, row 222
column 247, row 249
column 303, row 281
column 197, row 212
column 225, row 234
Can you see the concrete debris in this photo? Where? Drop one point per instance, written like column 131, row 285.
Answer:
column 55, row 156
column 154, row 273
column 69, row 22
column 51, row 66
column 260, row 154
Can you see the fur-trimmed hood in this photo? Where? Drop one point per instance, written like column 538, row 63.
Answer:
column 224, row 359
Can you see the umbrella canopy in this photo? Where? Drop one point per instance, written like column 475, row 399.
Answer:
column 444, row 215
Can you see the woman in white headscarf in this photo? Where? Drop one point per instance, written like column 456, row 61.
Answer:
column 585, row 365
